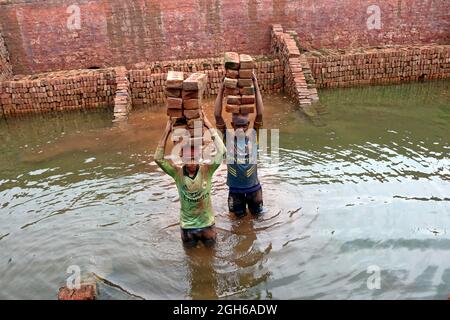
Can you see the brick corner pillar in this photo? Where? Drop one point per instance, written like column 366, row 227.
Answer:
column 298, row 80
column 122, row 99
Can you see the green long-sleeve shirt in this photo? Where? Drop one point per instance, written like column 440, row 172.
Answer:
column 195, row 193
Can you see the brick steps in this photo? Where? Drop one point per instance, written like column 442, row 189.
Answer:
column 122, row 99
column 298, row 80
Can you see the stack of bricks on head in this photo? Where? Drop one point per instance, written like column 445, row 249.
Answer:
column 238, row 83
column 184, row 105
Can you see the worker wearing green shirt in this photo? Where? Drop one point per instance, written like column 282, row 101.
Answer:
column 193, row 181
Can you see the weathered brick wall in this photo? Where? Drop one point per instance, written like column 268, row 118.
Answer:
column 148, row 80
column 116, row 32
column 332, row 68
column 64, row 90
column 5, row 65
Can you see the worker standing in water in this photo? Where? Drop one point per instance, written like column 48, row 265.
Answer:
column 242, row 147
column 193, row 181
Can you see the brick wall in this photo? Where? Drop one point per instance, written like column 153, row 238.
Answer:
column 5, row 65
column 332, row 68
column 64, row 90
column 115, row 32
column 148, row 80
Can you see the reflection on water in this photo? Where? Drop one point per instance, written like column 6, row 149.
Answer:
column 368, row 187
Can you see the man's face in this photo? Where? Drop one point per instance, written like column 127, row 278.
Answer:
column 191, row 167
column 240, row 127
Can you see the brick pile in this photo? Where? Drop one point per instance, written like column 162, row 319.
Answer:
column 185, row 105
column 65, row 90
column 238, row 83
column 147, row 81
column 285, row 47
column 5, row 64
column 339, row 68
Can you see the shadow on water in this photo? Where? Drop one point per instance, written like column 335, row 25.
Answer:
column 229, row 268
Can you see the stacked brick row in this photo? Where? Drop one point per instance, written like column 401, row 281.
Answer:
column 67, row 90
column 148, row 82
column 380, row 66
column 295, row 65
column 238, row 83
column 122, row 99
column 5, row 65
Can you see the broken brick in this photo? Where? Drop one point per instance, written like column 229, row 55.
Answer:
column 85, row 292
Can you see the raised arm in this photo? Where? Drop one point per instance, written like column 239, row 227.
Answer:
column 218, row 143
column 220, row 123
column 167, row 166
column 259, row 105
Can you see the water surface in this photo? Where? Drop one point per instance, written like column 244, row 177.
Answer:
column 366, row 185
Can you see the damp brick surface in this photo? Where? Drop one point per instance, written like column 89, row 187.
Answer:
column 121, row 33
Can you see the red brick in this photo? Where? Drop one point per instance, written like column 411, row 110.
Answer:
column 174, row 113
column 247, row 108
column 235, row 100
column 248, row 99
column 245, row 73
column 176, row 93
column 175, row 80
column 85, row 292
column 174, row 103
column 233, row 74
column 245, row 83
column 195, row 82
column 231, row 91
column 232, row 108
column 231, row 60
column 191, row 104
column 246, row 61
column 192, row 114
column 230, row 83
column 190, row 95
column 247, row 90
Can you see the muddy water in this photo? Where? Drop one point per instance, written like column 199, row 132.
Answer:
column 364, row 187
